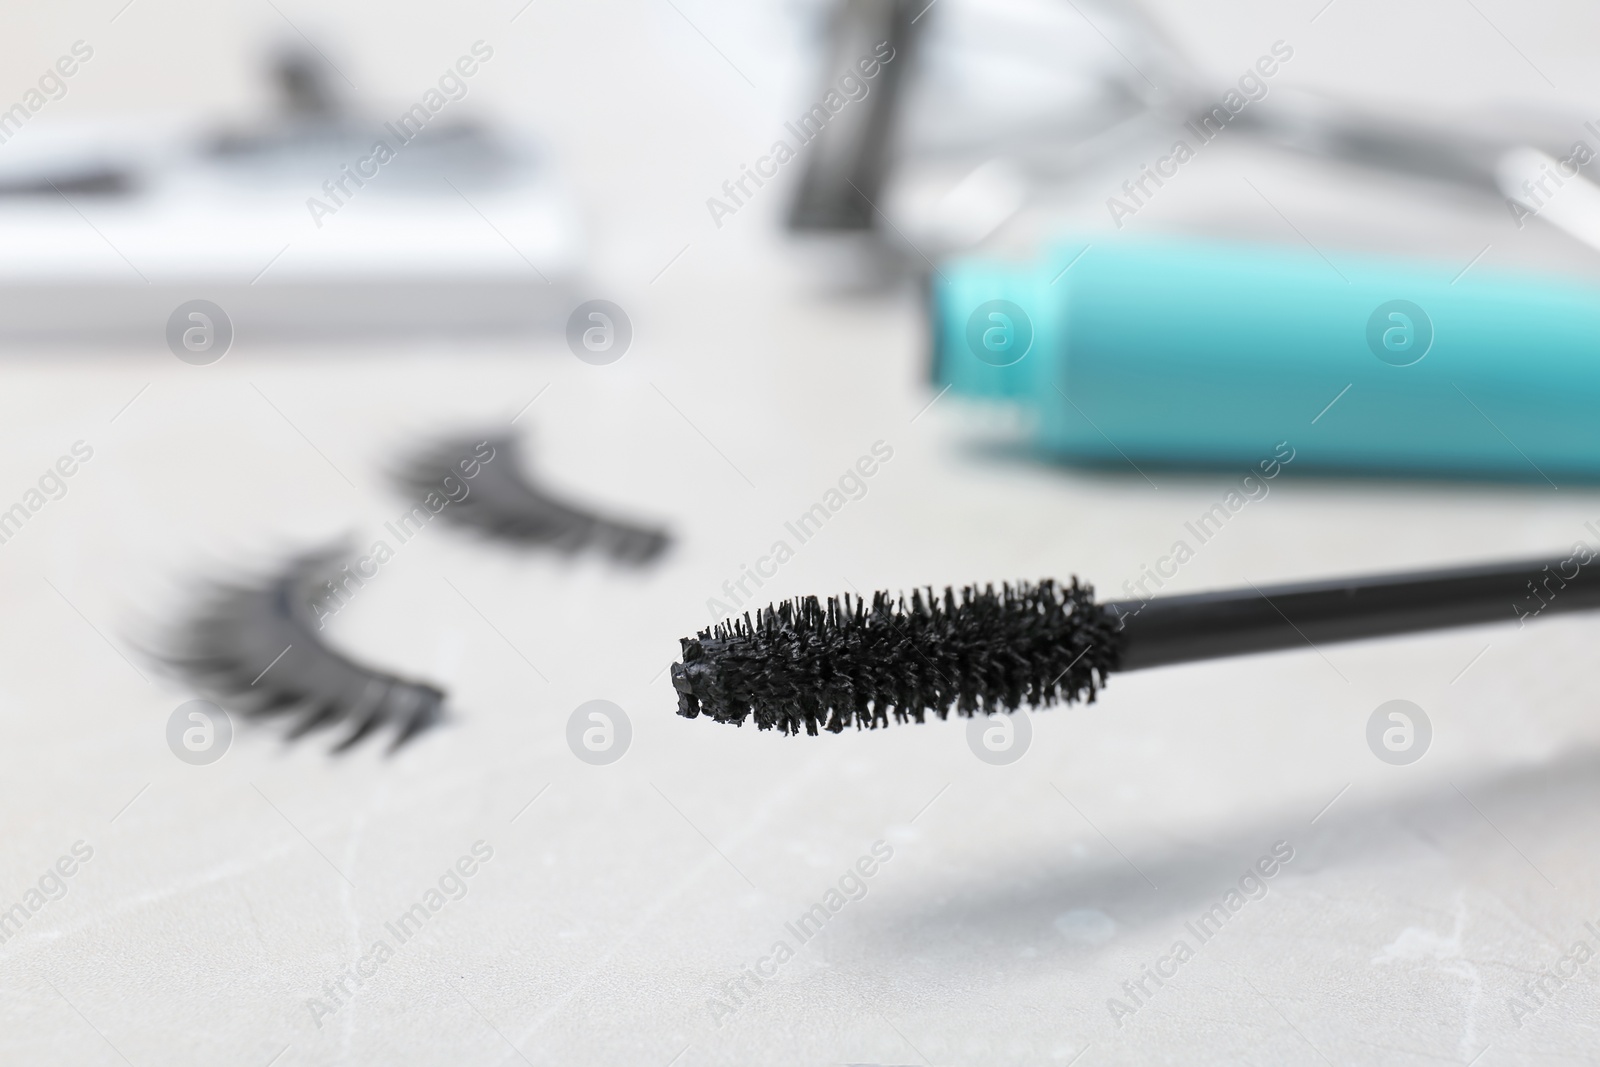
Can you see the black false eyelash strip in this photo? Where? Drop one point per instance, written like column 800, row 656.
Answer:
column 256, row 649
column 488, row 491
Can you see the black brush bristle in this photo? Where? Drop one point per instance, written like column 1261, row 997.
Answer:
column 799, row 665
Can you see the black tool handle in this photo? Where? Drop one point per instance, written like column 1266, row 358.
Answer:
column 1237, row 622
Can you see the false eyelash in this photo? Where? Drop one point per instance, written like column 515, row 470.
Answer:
column 502, row 503
column 256, row 649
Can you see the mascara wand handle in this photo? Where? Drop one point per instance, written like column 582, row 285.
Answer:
column 1180, row 629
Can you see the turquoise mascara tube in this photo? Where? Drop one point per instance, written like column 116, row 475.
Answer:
column 1192, row 353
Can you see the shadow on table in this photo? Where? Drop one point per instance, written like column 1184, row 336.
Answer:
column 1508, row 817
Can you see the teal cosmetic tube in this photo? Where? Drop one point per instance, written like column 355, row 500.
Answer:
column 1181, row 352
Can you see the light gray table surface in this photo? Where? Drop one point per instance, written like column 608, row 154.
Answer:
column 619, row 911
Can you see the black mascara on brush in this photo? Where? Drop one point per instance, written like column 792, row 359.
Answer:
column 800, row 665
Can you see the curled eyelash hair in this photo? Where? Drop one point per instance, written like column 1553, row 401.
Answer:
column 256, row 649
column 479, row 484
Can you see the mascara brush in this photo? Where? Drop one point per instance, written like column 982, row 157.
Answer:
column 801, row 665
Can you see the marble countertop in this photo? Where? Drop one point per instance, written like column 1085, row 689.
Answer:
column 1207, row 865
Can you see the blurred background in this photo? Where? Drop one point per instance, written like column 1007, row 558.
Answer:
column 757, row 342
